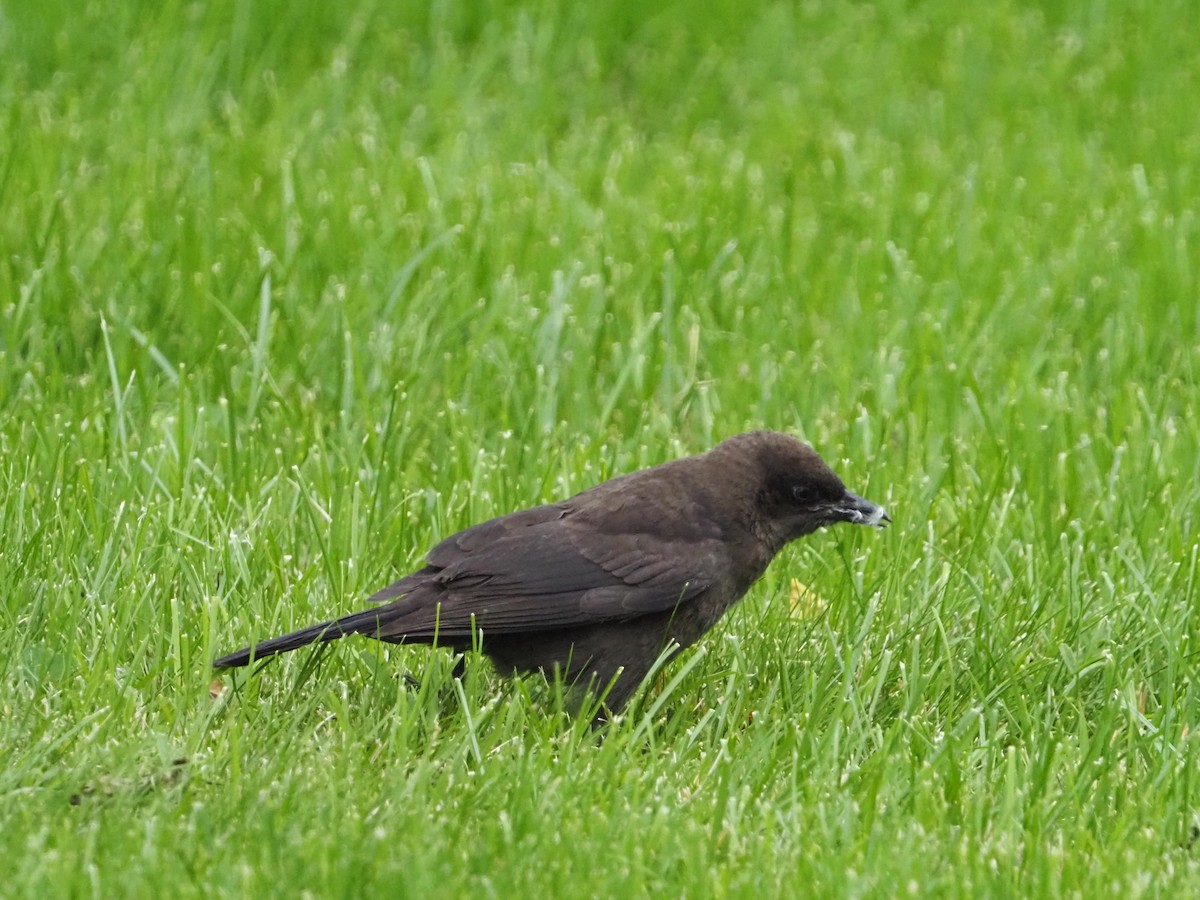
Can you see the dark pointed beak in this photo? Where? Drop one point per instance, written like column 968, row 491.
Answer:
column 860, row 511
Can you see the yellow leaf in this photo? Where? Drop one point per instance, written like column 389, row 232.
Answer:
column 804, row 602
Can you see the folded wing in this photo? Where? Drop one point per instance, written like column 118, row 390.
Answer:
column 546, row 568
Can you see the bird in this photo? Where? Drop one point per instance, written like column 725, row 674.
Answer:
column 593, row 589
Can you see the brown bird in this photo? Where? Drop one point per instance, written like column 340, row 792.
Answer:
column 597, row 586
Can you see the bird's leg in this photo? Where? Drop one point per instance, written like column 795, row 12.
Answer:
column 459, row 670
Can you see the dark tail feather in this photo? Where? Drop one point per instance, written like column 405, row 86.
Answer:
column 366, row 622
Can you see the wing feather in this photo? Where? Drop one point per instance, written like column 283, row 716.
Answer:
column 547, row 568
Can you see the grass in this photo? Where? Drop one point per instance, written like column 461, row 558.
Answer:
column 291, row 291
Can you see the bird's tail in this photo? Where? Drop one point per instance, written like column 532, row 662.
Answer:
column 366, row 622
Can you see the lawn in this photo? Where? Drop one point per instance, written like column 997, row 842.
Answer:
column 290, row 291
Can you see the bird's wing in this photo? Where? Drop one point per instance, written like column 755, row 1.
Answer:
column 546, row 568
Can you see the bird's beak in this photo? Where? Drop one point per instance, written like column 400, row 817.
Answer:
column 860, row 511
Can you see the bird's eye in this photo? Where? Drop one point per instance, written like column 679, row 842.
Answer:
column 802, row 493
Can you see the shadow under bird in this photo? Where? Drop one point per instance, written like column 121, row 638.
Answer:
column 597, row 586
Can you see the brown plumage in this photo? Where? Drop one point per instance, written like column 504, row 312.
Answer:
column 596, row 586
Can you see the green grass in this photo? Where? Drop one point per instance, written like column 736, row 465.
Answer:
column 290, row 291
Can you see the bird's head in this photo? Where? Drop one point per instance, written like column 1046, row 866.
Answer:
column 797, row 493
